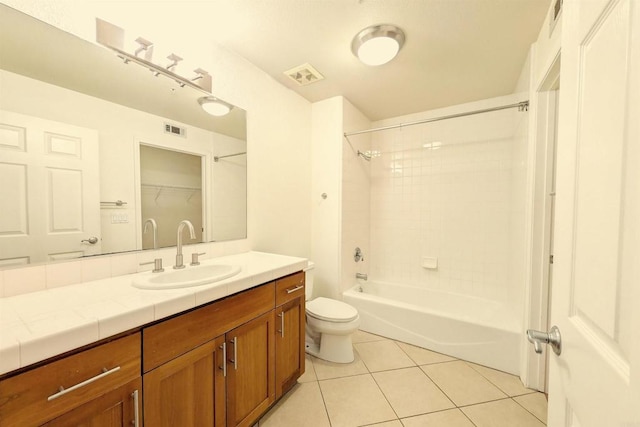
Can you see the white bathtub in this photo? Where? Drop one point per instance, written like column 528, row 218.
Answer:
column 469, row 328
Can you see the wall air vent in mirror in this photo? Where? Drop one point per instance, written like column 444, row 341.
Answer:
column 175, row 130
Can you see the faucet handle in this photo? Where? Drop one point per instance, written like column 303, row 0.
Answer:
column 157, row 265
column 194, row 258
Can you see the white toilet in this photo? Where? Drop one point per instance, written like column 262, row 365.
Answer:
column 330, row 324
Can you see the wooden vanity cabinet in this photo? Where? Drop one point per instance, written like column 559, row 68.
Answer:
column 290, row 328
column 101, row 385
column 214, row 365
column 188, row 390
column 250, row 370
column 222, row 364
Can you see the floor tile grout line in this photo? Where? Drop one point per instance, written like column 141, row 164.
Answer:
column 434, row 383
column 470, row 364
column 486, row 379
column 512, row 397
column 384, row 370
column 467, row 417
column 455, row 359
column 324, row 403
column 407, row 354
column 385, row 397
column 439, row 388
column 458, row 407
column 346, row 376
column 523, row 407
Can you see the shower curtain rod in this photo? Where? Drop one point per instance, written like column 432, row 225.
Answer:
column 522, row 106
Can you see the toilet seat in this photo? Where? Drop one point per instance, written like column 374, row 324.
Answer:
column 331, row 310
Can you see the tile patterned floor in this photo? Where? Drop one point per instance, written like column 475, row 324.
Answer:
column 393, row 384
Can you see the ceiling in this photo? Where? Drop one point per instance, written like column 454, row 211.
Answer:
column 456, row 51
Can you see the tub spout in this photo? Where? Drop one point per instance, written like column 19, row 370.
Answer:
column 362, row 276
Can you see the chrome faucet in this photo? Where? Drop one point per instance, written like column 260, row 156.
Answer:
column 179, row 263
column 154, row 227
column 362, row 276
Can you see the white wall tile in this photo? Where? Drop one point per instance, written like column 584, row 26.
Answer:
column 123, row 264
column 63, row 274
column 96, row 268
column 455, row 203
column 24, row 280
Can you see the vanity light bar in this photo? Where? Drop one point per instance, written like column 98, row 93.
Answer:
column 112, row 37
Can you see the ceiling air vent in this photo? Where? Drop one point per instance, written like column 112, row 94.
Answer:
column 304, row 74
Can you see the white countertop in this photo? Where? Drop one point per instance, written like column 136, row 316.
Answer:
column 39, row 325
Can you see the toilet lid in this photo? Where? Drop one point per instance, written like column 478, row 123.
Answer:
column 331, row 310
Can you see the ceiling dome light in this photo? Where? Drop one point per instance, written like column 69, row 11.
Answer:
column 378, row 44
column 214, row 106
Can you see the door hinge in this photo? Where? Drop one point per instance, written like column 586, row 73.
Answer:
column 550, row 259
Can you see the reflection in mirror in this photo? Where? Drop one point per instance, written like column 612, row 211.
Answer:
column 73, row 119
column 171, row 191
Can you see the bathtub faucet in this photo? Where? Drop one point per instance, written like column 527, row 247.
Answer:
column 362, row 276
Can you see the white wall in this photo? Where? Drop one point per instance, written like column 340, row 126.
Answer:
column 356, row 200
column 326, row 176
column 229, row 191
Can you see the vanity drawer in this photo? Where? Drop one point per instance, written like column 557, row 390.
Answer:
column 43, row 393
column 289, row 287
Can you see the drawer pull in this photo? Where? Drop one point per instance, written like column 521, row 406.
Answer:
column 136, row 413
column 281, row 316
column 297, row 288
column 223, row 347
column 64, row 391
column 234, row 341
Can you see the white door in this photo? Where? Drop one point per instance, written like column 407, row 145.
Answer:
column 596, row 278
column 50, row 190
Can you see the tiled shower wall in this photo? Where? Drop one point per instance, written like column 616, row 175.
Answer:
column 451, row 191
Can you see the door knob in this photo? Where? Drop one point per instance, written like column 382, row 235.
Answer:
column 90, row 240
column 553, row 338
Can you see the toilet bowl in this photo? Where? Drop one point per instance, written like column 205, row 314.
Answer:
column 330, row 324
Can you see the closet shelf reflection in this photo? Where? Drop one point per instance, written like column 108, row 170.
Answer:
column 159, row 189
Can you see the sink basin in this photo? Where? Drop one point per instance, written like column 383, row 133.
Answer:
column 189, row 276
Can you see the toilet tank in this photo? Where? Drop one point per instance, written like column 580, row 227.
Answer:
column 308, row 278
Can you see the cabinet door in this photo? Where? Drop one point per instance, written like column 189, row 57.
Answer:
column 250, row 370
column 117, row 408
column 188, row 390
column 290, row 318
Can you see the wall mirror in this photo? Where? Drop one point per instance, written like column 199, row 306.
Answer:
column 77, row 127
